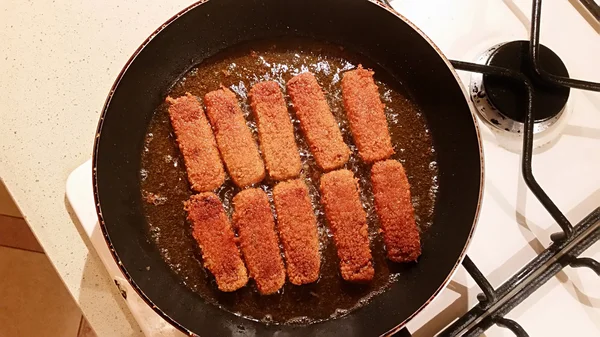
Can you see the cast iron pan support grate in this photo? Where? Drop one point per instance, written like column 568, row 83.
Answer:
column 567, row 245
column 494, row 304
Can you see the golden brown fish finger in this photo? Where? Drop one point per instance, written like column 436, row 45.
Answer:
column 348, row 222
column 212, row 231
column 366, row 115
column 394, row 208
column 196, row 143
column 234, row 139
column 254, row 221
column 275, row 131
column 297, row 226
column 317, row 122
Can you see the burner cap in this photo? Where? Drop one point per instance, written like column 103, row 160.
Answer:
column 510, row 98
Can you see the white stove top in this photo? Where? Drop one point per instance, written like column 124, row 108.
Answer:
column 513, row 226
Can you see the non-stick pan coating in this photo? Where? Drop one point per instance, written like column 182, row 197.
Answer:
column 204, row 29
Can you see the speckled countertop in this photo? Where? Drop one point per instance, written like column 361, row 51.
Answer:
column 58, row 60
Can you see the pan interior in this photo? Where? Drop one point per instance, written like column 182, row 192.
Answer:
column 165, row 188
column 211, row 26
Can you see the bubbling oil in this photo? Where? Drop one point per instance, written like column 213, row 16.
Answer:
column 165, row 186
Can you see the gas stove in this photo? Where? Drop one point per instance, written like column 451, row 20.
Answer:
column 521, row 276
column 531, row 267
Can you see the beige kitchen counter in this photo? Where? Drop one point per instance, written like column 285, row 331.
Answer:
column 58, row 60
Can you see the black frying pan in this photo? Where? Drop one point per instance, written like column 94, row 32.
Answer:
column 205, row 28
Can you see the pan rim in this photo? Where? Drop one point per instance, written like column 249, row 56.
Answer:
column 192, row 6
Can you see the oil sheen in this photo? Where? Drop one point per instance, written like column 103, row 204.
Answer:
column 165, row 186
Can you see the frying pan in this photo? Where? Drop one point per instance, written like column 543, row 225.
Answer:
column 204, row 29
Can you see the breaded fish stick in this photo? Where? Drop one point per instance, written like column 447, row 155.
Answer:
column 317, row 122
column 212, row 231
column 196, row 143
column 366, row 115
column 275, row 131
column 348, row 222
column 234, row 139
column 297, row 226
column 258, row 241
column 395, row 211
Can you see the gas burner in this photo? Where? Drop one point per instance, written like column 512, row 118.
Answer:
column 502, row 103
